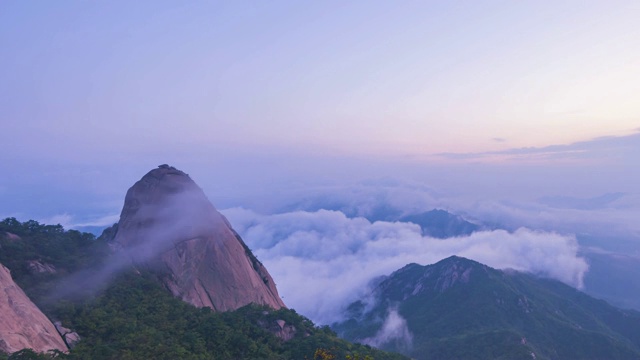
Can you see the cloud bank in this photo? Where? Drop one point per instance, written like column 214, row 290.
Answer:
column 600, row 214
column 323, row 260
column 394, row 329
column 619, row 148
column 69, row 221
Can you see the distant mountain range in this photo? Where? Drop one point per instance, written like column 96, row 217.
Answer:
column 173, row 280
column 441, row 224
column 461, row 309
column 436, row 223
column 568, row 202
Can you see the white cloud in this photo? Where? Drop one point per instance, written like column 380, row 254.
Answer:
column 394, row 329
column 387, row 198
column 372, row 199
column 321, row 261
column 68, row 221
column 107, row 220
column 621, row 148
column 618, row 220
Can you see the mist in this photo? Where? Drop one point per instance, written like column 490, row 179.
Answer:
column 158, row 227
column 394, row 329
column 324, row 260
column 327, row 223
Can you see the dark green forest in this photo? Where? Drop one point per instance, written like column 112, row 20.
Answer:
column 494, row 315
column 134, row 317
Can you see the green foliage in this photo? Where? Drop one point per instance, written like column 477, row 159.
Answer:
column 68, row 251
column 136, row 318
column 495, row 315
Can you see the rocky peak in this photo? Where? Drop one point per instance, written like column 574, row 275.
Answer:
column 413, row 279
column 22, row 324
column 441, row 224
column 168, row 223
column 454, row 270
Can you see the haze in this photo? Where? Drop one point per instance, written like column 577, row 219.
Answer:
column 513, row 114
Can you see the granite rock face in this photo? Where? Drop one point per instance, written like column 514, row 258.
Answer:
column 22, row 324
column 70, row 337
column 38, row 267
column 168, row 224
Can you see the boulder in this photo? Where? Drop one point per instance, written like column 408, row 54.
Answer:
column 70, row 337
column 22, row 324
column 38, row 267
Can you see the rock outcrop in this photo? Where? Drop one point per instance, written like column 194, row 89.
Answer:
column 70, row 337
column 12, row 236
column 284, row 331
column 22, row 324
column 167, row 223
column 38, row 267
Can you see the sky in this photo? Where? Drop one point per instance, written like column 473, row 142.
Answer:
column 522, row 114
column 371, row 77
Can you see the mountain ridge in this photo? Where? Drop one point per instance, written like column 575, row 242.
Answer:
column 457, row 307
column 441, row 224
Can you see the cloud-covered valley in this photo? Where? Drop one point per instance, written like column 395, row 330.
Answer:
column 322, row 260
column 324, row 243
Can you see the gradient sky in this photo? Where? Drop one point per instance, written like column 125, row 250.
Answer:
column 246, row 94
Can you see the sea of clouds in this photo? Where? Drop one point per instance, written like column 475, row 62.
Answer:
column 324, row 245
column 323, row 260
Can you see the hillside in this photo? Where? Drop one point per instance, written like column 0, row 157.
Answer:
column 133, row 316
column 461, row 309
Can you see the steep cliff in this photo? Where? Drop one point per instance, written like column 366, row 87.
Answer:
column 167, row 223
column 22, row 324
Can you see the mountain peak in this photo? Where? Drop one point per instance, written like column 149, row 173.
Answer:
column 166, row 170
column 441, row 224
column 455, row 270
column 457, row 260
column 413, row 278
column 168, row 223
column 458, row 308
